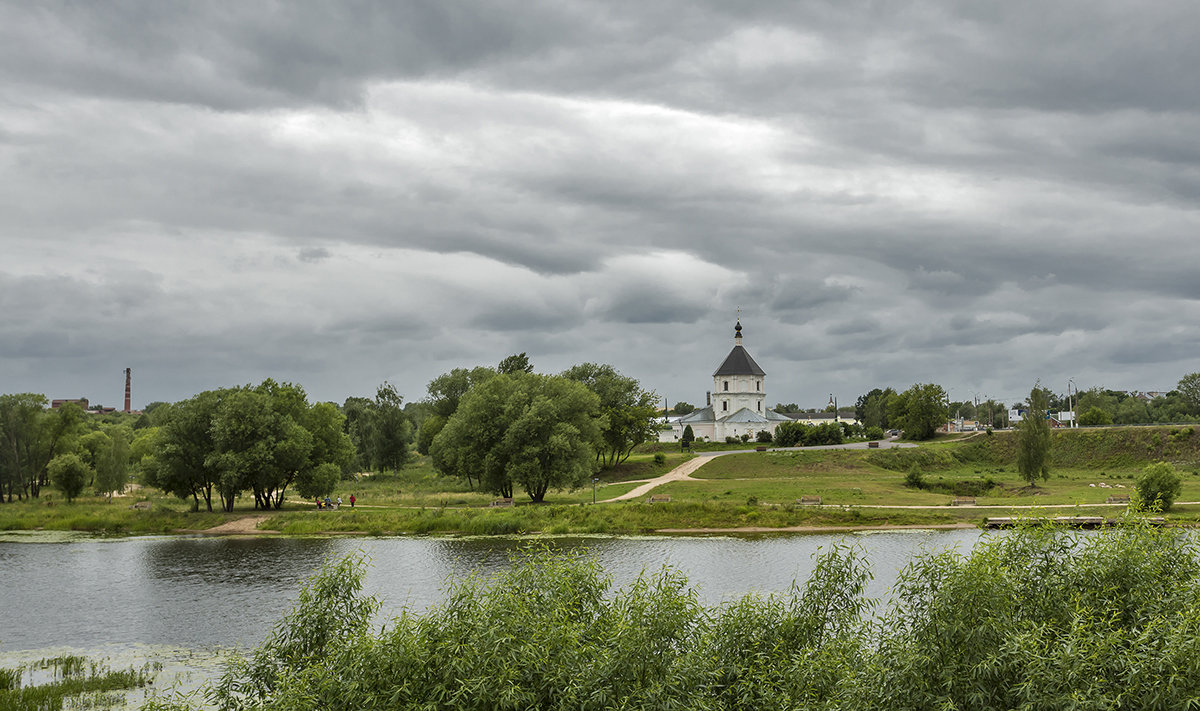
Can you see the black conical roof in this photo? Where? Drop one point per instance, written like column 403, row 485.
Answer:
column 739, row 362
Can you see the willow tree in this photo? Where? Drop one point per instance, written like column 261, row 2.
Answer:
column 528, row 430
column 1033, row 439
column 629, row 410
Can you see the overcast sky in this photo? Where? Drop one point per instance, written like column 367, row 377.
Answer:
column 337, row 194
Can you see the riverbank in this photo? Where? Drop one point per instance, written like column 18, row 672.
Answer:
column 857, row 488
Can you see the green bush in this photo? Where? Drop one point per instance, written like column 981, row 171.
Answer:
column 70, row 474
column 1159, row 485
column 1095, row 416
column 914, row 478
column 1039, row 618
column 873, row 433
column 660, row 458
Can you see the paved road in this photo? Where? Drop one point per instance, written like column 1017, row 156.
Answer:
column 683, row 472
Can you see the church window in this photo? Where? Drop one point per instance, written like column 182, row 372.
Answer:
column 725, row 405
column 726, row 386
column 759, row 406
column 758, row 385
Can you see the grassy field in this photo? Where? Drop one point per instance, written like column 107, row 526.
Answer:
column 625, row 517
column 752, row 489
column 100, row 515
column 394, row 501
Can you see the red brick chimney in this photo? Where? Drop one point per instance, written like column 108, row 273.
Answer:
column 128, row 373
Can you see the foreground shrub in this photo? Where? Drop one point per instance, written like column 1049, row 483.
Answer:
column 1037, row 618
column 1159, row 485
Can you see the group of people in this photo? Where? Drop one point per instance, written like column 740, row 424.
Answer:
column 328, row 503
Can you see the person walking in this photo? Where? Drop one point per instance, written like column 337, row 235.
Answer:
column 352, row 501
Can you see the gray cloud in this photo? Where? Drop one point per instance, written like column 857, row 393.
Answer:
column 976, row 195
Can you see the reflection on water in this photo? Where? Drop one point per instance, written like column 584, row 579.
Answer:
column 198, row 593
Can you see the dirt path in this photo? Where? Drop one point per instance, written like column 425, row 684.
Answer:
column 680, row 473
column 683, row 472
column 245, row 525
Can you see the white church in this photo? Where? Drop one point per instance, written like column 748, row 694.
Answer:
column 736, row 405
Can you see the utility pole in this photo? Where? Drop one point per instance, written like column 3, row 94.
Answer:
column 1072, row 403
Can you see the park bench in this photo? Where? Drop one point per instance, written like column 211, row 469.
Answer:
column 660, row 499
column 760, row 448
column 964, row 501
column 809, row 500
column 1118, row 499
column 502, row 502
column 873, row 445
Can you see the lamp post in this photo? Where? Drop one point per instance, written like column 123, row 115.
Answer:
column 1073, row 403
column 594, row 480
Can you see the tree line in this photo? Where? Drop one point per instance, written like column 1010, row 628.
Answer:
column 63, row 447
column 497, row 428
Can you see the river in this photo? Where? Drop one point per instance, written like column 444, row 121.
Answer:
column 195, row 593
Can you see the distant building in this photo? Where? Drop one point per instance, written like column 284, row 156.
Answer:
column 735, row 406
column 82, row 402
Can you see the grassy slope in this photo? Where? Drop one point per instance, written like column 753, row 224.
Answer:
column 1080, row 457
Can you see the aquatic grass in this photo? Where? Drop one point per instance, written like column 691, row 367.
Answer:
column 84, row 683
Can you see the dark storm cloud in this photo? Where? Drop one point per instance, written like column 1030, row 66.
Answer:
column 979, row 194
column 254, row 55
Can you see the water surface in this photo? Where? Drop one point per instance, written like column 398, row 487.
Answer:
column 197, row 593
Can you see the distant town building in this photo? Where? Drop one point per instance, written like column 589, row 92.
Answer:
column 80, row 401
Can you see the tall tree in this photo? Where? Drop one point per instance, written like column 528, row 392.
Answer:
column 1033, row 439
column 180, row 460
column 919, row 411
column 535, row 431
column 1189, row 390
column 19, row 419
column 380, row 429
column 31, row 436
column 629, row 411
column 516, row 363
column 106, row 452
column 358, row 426
column 392, row 430
column 871, row 409
column 112, row 468
column 429, row 429
column 446, row 390
column 257, row 446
